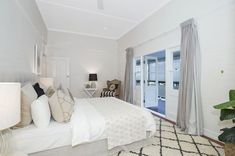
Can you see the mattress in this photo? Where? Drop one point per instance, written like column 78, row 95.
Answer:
column 31, row 139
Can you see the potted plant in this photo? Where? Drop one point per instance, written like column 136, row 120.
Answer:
column 227, row 112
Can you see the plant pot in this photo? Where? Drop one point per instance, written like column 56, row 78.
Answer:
column 229, row 149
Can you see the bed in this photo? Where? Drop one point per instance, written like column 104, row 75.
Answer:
column 100, row 124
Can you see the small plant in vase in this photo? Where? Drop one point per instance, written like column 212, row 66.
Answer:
column 227, row 112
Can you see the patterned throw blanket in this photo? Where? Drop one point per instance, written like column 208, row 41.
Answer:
column 124, row 123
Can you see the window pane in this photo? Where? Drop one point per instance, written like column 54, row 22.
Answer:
column 152, row 67
column 161, row 71
column 137, row 72
column 176, row 69
column 152, row 76
column 137, row 62
column 137, row 76
column 151, row 72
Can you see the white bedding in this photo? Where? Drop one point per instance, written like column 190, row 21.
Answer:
column 120, row 122
column 93, row 119
column 32, row 139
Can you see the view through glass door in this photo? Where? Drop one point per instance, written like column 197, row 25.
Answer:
column 154, row 82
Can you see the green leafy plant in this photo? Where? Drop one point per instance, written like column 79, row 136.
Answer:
column 227, row 112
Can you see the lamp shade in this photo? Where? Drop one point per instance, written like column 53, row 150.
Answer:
column 47, row 81
column 9, row 105
column 92, row 77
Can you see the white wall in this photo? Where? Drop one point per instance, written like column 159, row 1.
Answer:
column 87, row 55
column 21, row 28
column 216, row 21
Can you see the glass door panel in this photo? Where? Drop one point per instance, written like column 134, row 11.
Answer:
column 154, row 82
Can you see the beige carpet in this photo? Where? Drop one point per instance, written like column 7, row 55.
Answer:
column 170, row 141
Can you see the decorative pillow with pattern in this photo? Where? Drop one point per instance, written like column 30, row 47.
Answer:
column 112, row 87
column 28, row 95
column 61, row 106
column 71, row 95
column 49, row 92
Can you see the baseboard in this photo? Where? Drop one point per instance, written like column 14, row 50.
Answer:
column 213, row 140
column 211, row 134
column 164, row 118
column 171, row 116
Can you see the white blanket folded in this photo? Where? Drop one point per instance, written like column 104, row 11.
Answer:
column 87, row 123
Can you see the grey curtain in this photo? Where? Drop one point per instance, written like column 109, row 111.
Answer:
column 189, row 117
column 128, row 82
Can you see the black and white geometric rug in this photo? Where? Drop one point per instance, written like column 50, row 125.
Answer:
column 170, row 141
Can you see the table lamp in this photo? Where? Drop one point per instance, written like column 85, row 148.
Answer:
column 93, row 78
column 9, row 110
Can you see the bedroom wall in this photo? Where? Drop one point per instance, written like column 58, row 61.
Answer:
column 87, row 55
column 216, row 22
column 21, row 28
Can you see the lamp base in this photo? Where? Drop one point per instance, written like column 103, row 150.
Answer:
column 93, row 84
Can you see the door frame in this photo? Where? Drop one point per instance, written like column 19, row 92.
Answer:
column 66, row 59
column 143, row 85
column 169, row 69
column 171, row 94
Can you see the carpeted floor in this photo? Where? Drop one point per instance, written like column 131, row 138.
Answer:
column 170, row 141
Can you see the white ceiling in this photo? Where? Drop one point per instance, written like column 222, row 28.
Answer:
column 83, row 17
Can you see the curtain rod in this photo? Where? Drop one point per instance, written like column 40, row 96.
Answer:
column 229, row 2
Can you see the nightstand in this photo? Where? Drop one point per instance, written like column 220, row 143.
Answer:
column 90, row 91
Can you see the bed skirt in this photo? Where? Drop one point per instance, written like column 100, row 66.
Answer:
column 97, row 148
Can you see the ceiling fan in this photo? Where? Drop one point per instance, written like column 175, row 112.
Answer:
column 100, row 4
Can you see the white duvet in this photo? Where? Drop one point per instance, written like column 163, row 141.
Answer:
column 120, row 122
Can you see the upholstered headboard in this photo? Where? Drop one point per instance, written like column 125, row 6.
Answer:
column 21, row 77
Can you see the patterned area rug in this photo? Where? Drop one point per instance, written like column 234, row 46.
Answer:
column 170, row 141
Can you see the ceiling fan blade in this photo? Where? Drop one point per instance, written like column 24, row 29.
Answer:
column 100, row 4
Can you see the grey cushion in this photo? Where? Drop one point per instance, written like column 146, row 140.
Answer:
column 28, row 95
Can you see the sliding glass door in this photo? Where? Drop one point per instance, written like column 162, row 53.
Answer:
column 150, row 82
column 154, row 82
column 157, row 80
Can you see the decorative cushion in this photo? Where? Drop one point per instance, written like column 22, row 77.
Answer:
column 107, row 94
column 50, row 91
column 38, row 89
column 112, row 87
column 71, row 95
column 61, row 106
column 41, row 112
column 28, row 95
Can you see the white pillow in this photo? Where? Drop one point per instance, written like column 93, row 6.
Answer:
column 41, row 112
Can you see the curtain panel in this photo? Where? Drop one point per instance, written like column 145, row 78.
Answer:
column 189, row 116
column 128, row 81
